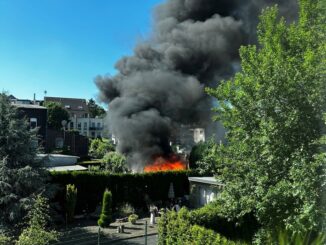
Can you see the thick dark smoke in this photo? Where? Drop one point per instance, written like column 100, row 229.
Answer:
column 194, row 44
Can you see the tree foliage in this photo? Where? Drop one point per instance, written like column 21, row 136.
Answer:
column 20, row 173
column 94, row 109
column 272, row 110
column 115, row 162
column 99, row 147
column 56, row 114
column 37, row 230
column 203, row 158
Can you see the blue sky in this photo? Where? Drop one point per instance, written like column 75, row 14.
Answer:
column 61, row 45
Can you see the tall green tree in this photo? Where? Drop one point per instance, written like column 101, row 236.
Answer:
column 203, row 158
column 94, row 109
column 56, row 114
column 273, row 110
column 20, row 174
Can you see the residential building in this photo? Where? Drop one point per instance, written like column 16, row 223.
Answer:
column 37, row 117
column 17, row 101
column 80, row 119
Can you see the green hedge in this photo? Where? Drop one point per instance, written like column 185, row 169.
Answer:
column 176, row 228
column 210, row 217
column 125, row 188
column 208, row 221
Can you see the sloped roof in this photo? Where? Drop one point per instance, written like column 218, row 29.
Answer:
column 71, row 104
column 205, row 180
column 28, row 106
column 67, row 168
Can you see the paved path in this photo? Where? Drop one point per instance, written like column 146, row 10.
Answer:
column 86, row 233
column 151, row 240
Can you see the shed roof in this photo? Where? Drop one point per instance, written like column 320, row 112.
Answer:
column 205, row 180
column 67, row 168
column 28, row 106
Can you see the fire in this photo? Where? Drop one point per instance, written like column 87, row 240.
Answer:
column 161, row 163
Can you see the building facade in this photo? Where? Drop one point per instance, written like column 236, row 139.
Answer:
column 80, row 119
column 37, row 118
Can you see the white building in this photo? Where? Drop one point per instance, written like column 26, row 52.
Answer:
column 80, row 119
column 89, row 127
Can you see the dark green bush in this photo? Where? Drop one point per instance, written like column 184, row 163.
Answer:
column 211, row 217
column 106, row 214
column 176, row 228
column 71, row 198
column 125, row 188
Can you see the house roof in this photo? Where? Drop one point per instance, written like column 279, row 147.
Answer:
column 67, row 168
column 205, row 180
column 28, row 106
column 71, row 104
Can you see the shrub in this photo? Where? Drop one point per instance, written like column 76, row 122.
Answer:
column 114, row 162
column 71, row 199
column 265, row 236
column 125, row 210
column 36, row 232
column 133, row 218
column 4, row 239
column 106, row 215
column 176, row 228
column 211, row 217
column 99, row 147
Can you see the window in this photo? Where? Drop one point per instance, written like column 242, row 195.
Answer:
column 80, row 107
column 93, row 124
column 79, row 126
column 71, row 125
column 85, row 125
column 67, row 106
column 98, row 125
column 93, row 134
column 33, row 123
column 59, row 142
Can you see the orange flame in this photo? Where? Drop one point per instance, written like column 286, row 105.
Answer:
column 169, row 163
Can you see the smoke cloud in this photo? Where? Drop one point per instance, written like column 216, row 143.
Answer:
column 194, row 44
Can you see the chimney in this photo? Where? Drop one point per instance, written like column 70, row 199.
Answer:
column 34, row 99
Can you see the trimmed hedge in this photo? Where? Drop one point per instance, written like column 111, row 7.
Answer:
column 209, row 224
column 210, row 217
column 176, row 228
column 125, row 188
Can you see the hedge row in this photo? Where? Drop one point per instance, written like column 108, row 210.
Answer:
column 176, row 228
column 210, row 217
column 208, row 223
column 134, row 189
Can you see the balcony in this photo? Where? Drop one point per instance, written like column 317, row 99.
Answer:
column 95, row 128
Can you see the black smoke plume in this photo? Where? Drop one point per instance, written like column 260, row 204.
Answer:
column 194, row 44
